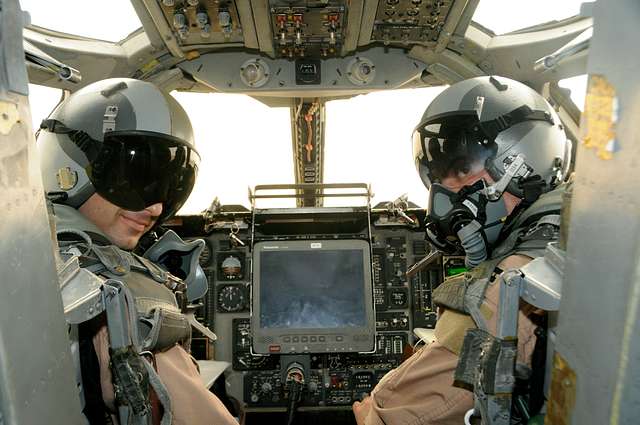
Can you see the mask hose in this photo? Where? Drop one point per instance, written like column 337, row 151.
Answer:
column 473, row 244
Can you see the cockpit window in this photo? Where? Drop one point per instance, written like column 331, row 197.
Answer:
column 578, row 87
column 42, row 100
column 242, row 143
column 110, row 20
column 368, row 140
column 506, row 16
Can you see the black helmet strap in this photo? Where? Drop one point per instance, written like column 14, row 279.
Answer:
column 524, row 113
column 87, row 144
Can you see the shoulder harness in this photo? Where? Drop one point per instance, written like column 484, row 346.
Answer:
column 131, row 290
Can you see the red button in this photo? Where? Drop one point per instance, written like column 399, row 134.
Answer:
column 274, row 348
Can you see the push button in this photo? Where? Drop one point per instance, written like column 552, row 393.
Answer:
column 274, row 348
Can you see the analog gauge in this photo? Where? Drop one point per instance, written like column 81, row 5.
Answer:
column 231, row 298
column 231, row 268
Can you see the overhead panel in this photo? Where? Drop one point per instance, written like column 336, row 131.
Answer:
column 377, row 68
column 308, row 28
column 202, row 22
column 410, row 21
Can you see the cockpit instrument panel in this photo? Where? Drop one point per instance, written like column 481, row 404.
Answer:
column 333, row 378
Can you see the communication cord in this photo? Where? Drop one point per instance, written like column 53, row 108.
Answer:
column 295, row 380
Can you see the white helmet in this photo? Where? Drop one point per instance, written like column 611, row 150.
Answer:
column 490, row 123
column 124, row 139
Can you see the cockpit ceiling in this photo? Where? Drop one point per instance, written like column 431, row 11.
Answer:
column 308, row 48
column 303, row 29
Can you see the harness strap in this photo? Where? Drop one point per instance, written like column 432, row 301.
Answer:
column 161, row 392
column 465, row 293
column 114, row 259
column 130, row 376
column 167, row 329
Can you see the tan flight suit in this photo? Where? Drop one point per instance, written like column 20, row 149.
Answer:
column 191, row 402
column 420, row 390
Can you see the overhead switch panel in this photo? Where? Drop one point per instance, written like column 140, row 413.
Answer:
column 307, row 28
column 410, row 21
column 201, row 22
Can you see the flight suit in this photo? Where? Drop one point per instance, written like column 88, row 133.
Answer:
column 191, row 402
column 421, row 390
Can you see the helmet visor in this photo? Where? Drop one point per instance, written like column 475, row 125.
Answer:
column 137, row 169
column 451, row 145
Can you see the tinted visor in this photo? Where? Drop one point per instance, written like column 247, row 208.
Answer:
column 136, row 169
column 451, row 145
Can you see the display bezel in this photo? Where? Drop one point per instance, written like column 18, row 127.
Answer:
column 345, row 339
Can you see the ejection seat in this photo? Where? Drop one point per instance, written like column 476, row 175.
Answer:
column 539, row 283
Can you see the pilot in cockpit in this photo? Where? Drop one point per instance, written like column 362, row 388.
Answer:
column 117, row 158
column 493, row 154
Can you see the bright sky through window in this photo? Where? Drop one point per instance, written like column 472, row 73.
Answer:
column 368, row 140
column 111, row 20
column 502, row 16
column 243, row 143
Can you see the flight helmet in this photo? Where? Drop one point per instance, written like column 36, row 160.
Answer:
column 491, row 123
column 124, row 139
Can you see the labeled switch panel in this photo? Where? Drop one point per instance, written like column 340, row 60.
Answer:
column 308, row 29
column 404, row 21
column 197, row 22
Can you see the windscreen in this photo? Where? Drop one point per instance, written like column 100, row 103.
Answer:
column 312, row 289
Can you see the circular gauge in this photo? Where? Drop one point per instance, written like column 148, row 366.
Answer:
column 231, row 267
column 205, row 256
column 231, row 298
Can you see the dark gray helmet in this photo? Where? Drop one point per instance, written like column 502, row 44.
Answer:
column 124, row 139
column 486, row 122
